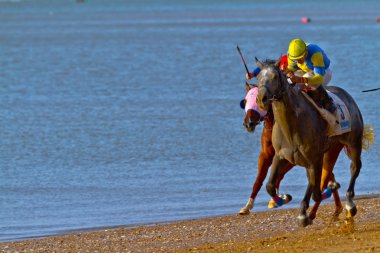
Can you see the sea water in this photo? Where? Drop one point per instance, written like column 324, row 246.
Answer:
column 127, row 112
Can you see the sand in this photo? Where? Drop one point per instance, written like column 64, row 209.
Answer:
column 271, row 231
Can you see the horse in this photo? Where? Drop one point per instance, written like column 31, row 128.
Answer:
column 253, row 117
column 299, row 137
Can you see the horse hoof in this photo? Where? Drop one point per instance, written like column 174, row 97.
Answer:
column 304, row 221
column 351, row 212
column 338, row 211
column 333, row 185
column 244, row 211
column 287, row 198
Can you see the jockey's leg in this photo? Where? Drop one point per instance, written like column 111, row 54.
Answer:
column 319, row 95
column 326, row 101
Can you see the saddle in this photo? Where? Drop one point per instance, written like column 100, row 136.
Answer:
column 340, row 121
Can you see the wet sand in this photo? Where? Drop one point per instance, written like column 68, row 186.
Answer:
column 272, row 231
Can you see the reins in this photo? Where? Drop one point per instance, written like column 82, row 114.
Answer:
column 279, row 95
column 261, row 118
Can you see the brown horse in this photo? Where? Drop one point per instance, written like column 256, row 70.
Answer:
column 300, row 137
column 253, row 117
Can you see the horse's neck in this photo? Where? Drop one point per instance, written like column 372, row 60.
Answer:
column 285, row 113
column 292, row 112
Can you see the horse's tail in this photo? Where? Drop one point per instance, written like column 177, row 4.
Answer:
column 367, row 140
column 368, row 137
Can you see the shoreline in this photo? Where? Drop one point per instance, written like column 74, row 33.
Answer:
column 275, row 230
column 103, row 228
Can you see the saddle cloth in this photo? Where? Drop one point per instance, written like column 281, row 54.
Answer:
column 339, row 122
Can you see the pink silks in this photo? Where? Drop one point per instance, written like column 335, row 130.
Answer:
column 251, row 104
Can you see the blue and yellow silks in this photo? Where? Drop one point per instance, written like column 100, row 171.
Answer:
column 316, row 61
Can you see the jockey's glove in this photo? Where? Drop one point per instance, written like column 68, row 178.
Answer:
column 297, row 79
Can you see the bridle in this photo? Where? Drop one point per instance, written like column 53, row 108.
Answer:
column 260, row 118
column 250, row 106
column 277, row 96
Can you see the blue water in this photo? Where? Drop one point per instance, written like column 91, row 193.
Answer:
column 127, row 112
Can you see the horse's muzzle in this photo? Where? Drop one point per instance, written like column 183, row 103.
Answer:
column 249, row 126
column 251, row 120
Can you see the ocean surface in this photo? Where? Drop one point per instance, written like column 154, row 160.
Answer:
column 127, row 112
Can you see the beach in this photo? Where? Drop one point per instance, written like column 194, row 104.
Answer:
column 269, row 231
column 128, row 113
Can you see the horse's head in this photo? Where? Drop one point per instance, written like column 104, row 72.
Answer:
column 270, row 83
column 253, row 115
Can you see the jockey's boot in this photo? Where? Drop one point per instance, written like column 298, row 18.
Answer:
column 325, row 100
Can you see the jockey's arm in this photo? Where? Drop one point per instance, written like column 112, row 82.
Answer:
column 319, row 70
column 292, row 65
column 254, row 73
column 315, row 81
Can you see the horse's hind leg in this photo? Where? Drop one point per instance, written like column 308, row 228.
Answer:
column 329, row 160
column 355, row 167
column 338, row 203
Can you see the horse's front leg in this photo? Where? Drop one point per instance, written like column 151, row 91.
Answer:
column 265, row 160
column 314, row 172
column 303, row 219
column 314, row 178
column 277, row 166
column 286, row 197
column 264, row 163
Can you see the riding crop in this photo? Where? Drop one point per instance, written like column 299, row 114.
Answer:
column 370, row 90
column 242, row 58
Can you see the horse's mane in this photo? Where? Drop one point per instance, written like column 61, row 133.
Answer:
column 268, row 62
column 272, row 63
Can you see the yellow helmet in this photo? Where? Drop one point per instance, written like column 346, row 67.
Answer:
column 297, row 49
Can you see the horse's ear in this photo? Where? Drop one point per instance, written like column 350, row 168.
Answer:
column 247, row 87
column 258, row 63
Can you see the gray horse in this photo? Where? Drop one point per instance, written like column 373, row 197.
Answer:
column 300, row 136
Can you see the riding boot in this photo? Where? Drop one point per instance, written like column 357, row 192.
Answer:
column 324, row 99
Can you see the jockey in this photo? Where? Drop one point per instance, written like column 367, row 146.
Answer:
column 309, row 65
column 283, row 68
